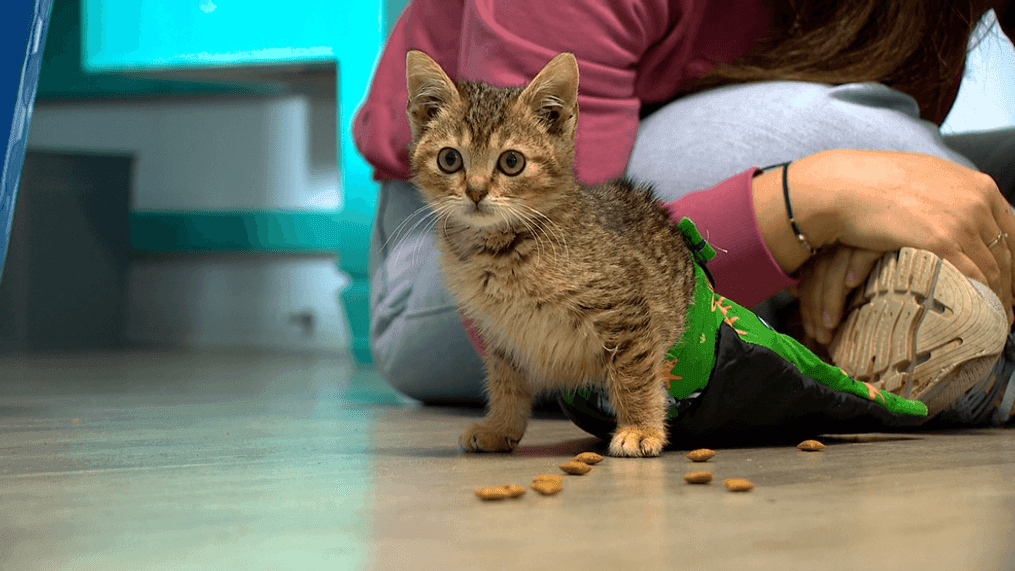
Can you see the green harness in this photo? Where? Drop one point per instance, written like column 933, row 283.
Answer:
column 692, row 361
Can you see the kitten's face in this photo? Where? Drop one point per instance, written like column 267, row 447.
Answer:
column 492, row 157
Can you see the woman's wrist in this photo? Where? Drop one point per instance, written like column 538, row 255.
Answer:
column 813, row 207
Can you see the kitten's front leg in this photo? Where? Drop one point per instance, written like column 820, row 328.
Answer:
column 636, row 394
column 510, row 407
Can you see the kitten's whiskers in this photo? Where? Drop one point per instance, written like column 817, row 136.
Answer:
column 525, row 221
column 440, row 210
column 426, row 212
column 556, row 232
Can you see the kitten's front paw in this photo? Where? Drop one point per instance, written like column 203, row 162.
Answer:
column 481, row 438
column 636, row 442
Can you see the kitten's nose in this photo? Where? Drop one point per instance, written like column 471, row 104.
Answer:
column 476, row 193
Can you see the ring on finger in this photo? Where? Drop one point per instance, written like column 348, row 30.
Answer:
column 1000, row 236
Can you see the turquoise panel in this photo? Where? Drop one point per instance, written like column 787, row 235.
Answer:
column 135, row 34
column 62, row 76
column 157, row 232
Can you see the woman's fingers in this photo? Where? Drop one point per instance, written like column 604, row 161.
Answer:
column 1005, row 218
column 825, row 284
column 812, row 277
column 1006, row 286
column 998, row 246
column 860, row 266
column 990, row 260
column 832, row 295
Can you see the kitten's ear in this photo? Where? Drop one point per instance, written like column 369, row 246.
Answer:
column 430, row 90
column 553, row 94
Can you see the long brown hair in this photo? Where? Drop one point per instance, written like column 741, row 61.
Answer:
column 916, row 46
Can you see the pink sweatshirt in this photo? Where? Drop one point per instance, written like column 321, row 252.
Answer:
column 630, row 53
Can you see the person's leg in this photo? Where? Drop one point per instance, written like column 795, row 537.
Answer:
column 416, row 334
column 697, row 141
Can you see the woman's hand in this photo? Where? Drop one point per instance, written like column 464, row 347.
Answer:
column 885, row 200
column 825, row 283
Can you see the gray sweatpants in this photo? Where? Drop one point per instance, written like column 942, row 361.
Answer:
column 416, row 332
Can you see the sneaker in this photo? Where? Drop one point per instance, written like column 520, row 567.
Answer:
column 922, row 330
column 990, row 401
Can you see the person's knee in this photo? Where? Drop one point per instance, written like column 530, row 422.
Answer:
column 428, row 357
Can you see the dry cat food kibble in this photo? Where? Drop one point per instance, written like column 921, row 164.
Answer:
column 698, row 477
column 701, row 455
column 576, row 468
column 548, row 484
column 514, row 490
column 810, row 446
column 589, row 458
column 738, row 484
column 494, row 493
column 500, row 492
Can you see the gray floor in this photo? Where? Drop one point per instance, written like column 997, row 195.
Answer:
column 247, row 460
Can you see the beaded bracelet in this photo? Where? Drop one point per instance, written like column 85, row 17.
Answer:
column 789, row 207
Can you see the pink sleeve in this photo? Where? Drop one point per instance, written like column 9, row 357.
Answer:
column 381, row 128
column 744, row 269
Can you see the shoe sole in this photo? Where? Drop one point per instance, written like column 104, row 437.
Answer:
column 984, row 402
column 919, row 329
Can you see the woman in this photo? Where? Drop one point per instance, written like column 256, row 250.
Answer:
column 670, row 94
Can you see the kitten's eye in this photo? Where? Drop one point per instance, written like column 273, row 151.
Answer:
column 511, row 162
column 449, row 160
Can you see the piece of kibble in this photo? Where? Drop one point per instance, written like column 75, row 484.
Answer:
column 810, row 446
column 514, row 490
column 551, row 477
column 590, row 458
column 698, row 477
column 701, row 455
column 493, row 493
column 738, row 484
column 547, row 486
column 576, row 468
column 500, row 492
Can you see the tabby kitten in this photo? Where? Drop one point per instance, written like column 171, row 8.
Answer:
column 568, row 285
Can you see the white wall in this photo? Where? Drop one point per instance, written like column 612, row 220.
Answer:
column 210, row 154
column 250, row 301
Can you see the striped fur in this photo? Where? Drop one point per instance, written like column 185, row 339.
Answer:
column 569, row 285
